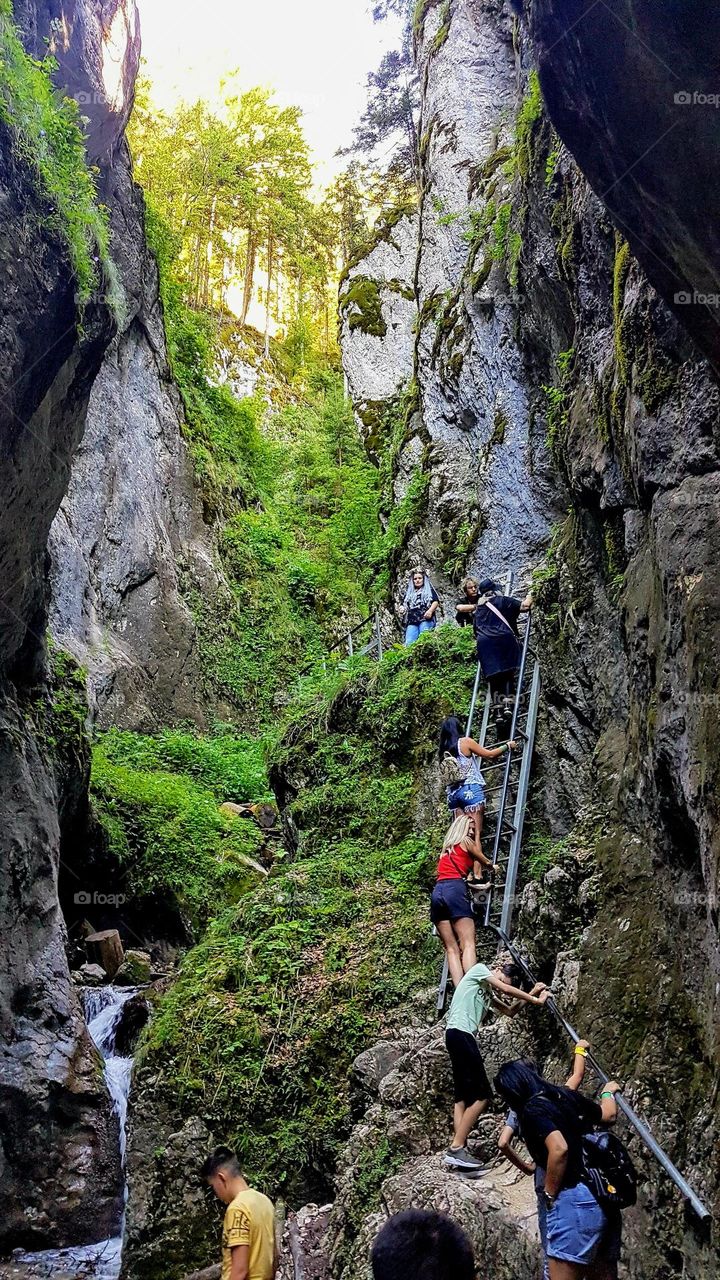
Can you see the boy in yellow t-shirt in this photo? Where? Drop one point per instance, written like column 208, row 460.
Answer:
column 248, row 1239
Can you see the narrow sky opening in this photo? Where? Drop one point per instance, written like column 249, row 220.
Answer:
column 315, row 55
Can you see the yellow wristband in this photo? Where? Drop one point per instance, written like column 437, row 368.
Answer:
column 580, row 1051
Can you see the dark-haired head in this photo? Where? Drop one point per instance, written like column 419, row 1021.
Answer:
column 488, row 587
column 220, row 1170
column 517, row 1082
column 451, row 731
column 419, row 1245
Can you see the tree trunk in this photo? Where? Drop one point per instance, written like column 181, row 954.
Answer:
column 270, row 256
column 105, row 949
column 249, row 274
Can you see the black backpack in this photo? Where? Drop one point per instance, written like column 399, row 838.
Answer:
column 608, row 1170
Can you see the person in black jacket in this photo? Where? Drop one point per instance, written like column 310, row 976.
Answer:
column 465, row 608
column 581, row 1239
column 498, row 644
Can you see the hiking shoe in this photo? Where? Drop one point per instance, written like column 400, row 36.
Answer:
column 461, row 1159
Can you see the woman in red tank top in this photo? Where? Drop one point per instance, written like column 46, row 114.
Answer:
column 450, row 906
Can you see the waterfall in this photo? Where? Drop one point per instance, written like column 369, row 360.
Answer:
column 101, row 1261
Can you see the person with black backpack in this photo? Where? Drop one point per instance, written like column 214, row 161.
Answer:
column 587, row 1181
column 512, row 1130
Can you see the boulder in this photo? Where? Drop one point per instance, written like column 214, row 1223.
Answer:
column 89, row 975
column 135, row 969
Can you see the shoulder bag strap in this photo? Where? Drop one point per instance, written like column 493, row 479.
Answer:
column 498, row 614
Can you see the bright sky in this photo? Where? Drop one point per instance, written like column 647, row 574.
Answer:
column 315, row 53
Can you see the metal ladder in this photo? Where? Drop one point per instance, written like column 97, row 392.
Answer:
column 507, row 792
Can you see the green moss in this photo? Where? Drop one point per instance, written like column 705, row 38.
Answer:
column 558, row 399
column 515, row 244
column 291, row 983
column 420, row 13
column 361, row 303
column 528, row 116
column 501, row 423
column 620, row 273
column 443, row 30
column 157, row 802
column 478, row 278
column 47, row 133
column 66, row 726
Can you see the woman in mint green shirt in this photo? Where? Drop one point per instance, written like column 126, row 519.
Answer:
column 479, row 991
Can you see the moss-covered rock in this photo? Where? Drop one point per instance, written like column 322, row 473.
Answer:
column 291, row 983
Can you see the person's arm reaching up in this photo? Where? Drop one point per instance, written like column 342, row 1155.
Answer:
column 538, row 995
column 577, row 1074
column 487, row 753
column 608, row 1105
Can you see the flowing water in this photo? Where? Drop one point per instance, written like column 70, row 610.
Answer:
column 101, row 1261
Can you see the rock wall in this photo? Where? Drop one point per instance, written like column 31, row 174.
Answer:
column 466, row 450
column 56, row 1123
column 129, row 539
column 612, row 439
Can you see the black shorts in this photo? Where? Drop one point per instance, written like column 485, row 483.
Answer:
column 470, row 1079
column 450, row 901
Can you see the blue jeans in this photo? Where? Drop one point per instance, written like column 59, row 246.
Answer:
column 578, row 1231
column 412, row 631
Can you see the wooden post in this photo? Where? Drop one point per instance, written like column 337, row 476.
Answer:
column 106, row 949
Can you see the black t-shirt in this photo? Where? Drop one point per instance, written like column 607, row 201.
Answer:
column 465, row 619
column 572, row 1116
column 416, row 611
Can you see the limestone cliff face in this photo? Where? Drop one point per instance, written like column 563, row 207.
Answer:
column 57, row 1127
column 469, row 445
column 611, row 433
column 130, row 539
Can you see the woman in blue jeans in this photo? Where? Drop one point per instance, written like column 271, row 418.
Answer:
column 512, row 1129
column 419, row 606
column 582, row 1240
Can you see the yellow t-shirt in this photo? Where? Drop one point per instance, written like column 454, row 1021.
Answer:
column 250, row 1220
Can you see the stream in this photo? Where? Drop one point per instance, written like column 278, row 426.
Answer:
column 101, row 1261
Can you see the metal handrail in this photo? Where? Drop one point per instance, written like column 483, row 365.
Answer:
column 639, row 1125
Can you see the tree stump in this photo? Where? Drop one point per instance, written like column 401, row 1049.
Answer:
column 106, row 949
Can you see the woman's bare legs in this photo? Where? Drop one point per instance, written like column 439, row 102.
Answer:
column 464, row 1121
column 452, row 950
column 465, row 933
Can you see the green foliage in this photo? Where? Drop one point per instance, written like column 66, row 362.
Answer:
column 157, row 801
column 620, row 273
column 47, row 133
column 558, row 398
column 542, row 853
column 289, row 984
column 362, row 303
column 530, row 112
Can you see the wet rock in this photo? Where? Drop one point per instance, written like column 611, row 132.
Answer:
column 89, row 975
column 134, row 1015
column 135, row 969
column 130, row 539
